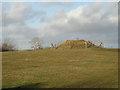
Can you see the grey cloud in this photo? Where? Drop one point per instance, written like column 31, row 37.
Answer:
column 20, row 13
column 98, row 24
column 21, row 33
column 90, row 22
column 18, row 30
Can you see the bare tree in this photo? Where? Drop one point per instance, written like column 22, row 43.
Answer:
column 101, row 45
column 36, row 43
column 53, row 45
column 56, row 45
column 8, row 45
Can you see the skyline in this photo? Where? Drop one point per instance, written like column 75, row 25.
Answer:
column 56, row 22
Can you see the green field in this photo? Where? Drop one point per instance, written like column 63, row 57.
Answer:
column 69, row 68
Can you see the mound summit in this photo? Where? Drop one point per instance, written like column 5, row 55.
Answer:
column 69, row 44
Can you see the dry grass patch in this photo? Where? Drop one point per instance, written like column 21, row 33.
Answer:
column 88, row 68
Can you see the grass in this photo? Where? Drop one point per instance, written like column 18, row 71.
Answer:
column 70, row 68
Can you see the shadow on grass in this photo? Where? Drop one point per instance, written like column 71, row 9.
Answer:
column 33, row 86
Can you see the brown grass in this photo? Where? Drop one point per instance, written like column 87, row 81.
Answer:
column 83, row 68
column 77, row 44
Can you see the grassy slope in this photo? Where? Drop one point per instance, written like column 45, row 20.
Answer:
column 89, row 68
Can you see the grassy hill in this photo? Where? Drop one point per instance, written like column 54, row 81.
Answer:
column 69, row 68
column 72, row 44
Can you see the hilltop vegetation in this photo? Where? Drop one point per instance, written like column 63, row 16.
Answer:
column 71, row 44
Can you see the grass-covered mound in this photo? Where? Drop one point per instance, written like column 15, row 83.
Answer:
column 77, row 44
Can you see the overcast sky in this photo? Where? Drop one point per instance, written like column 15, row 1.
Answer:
column 57, row 22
